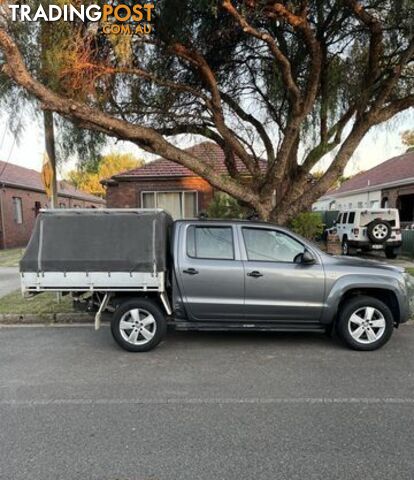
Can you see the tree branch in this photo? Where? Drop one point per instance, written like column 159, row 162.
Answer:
column 280, row 58
column 253, row 121
column 145, row 137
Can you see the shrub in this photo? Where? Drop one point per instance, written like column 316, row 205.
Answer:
column 308, row 224
column 224, row 206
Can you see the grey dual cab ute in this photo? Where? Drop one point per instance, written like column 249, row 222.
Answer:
column 149, row 272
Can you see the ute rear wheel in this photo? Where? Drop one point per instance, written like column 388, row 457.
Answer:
column 365, row 323
column 138, row 325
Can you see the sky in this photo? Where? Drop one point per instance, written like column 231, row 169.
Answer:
column 379, row 145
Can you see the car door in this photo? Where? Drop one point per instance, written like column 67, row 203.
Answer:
column 211, row 272
column 276, row 288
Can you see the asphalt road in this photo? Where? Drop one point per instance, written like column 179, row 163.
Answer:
column 9, row 280
column 203, row 406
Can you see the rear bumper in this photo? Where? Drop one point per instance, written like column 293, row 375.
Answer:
column 369, row 245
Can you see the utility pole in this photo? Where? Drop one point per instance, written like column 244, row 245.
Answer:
column 51, row 153
column 45, row 40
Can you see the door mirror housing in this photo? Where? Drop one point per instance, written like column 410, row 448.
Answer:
column 307, row 258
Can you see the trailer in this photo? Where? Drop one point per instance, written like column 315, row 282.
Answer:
column 94, row 253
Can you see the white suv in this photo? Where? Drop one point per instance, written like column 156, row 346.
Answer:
column 369, row 229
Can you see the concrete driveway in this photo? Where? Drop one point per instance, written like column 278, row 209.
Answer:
column 9, row 280
column 204, row 406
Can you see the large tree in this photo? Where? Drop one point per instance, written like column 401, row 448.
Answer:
column 285, row 82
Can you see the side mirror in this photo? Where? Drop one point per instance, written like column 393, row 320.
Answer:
column 307, row 258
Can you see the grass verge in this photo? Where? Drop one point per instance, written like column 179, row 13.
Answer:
column 11, row 257
column 410, row 270
column 43, row 304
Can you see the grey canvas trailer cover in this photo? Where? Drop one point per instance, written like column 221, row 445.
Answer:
column 97, row 250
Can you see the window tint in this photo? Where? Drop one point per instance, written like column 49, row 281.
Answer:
column 210, row 242
column 344, row 217
column 270, row 245
column 351, row 217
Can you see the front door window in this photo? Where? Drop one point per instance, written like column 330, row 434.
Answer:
column 270, row 246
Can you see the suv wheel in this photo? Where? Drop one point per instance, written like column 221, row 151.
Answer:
column 379, row 231
column 345, row 247
column 138, row 325
column 365, row 323
column 390, row 252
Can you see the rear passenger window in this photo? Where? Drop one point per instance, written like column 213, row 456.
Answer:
column 351, row 217
column 210, row 242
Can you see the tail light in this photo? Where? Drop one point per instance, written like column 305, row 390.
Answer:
column 355, row 231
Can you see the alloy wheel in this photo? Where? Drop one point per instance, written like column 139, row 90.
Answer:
column 366, row 325
column 137, row 326
column 380, row 231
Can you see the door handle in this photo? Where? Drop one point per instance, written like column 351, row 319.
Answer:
column 190, row 271
column 255, row 274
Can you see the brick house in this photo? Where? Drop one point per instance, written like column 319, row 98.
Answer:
column 165, row 184
column 22, row 195
column 388, row 185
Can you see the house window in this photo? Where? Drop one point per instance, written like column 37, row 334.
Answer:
column 178, row 204
column 37, row 207
column 18, row 210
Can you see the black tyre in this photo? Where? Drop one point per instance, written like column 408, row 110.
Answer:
column 138, row 325
column 365, row 323
column 379, row 231
column 390, row 252
column 346, row 250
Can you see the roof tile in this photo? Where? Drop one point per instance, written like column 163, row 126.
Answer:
column 11, row 174
column 161, row 167
column 393, row 170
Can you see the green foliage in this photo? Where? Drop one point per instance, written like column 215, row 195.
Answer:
column 224, row 206
column 88, row 176
column 407, row 138
column 308, row 224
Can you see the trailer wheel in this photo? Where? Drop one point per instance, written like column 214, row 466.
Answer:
column 138, row 325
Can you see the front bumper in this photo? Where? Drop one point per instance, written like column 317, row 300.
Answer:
column 409, row 286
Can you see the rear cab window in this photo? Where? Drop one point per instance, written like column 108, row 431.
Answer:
column 210, row 242
column 351, row 217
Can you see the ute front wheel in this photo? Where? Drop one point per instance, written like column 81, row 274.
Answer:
column 365, row 323
column 138, row 325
